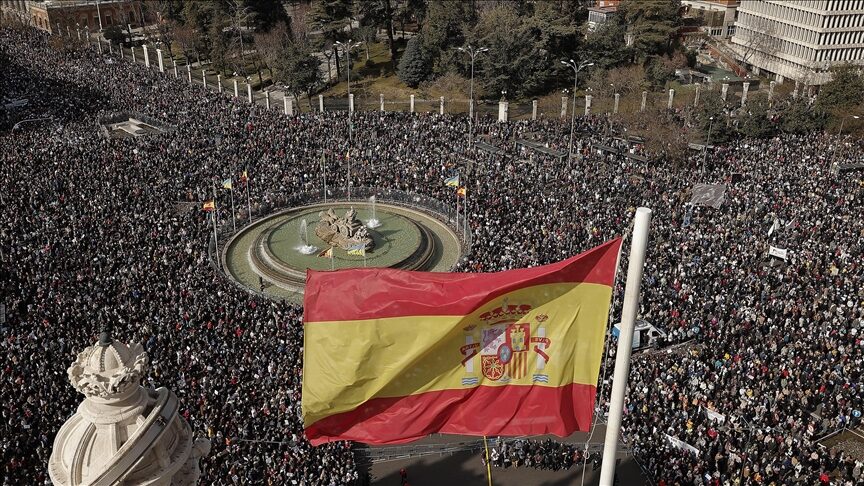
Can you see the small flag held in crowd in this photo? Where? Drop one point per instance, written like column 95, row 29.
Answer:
column 359, row 249
column 244, row 177
column 209, row 206
column 227, row 184
column 328, row 253
column 462, row 191
column 452, row 181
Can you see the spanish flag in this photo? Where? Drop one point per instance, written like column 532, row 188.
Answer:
column 209, row 205
column 391, row 356
column 462, row 191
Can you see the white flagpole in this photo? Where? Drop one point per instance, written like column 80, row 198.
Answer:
column 233, row 214
column 638, row 244
column 248, row 198
column 324, row 174
column 331, row 259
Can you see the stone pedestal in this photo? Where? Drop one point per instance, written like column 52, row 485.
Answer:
column 617, row 101
column 412, row 103
column 236, row 90
column 249, row 92
column 351, row 102
column 588, row 99
column 746, row 87
column 724, row 91
column 204, row 78
column 133, row 54
column 321, row 103
column 671, row 99
column 219, row 82
column 146, row 55
column 644, row 100
column 267, row 99
column 159, row 58
column 503, row 109
column 189, row 73
column 289, row 105
column 534, row 109
column 563, row 106
column 771, row 91
column 696, row 97
column 381, row 100
column 441, row 106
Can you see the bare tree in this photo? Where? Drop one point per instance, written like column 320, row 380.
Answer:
column 759, row 37
column 240, row 16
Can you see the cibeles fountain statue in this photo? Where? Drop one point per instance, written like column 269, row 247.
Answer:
column 345, row 232
column 123, row 434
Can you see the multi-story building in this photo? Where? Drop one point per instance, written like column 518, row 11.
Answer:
column 799, row 39
column 601, row 12
column 717, row 16
column 95, row 15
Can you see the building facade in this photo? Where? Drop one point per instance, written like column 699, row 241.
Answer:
column 799, row 39
column 717, row 16
column 601, row 12
column 48, row 15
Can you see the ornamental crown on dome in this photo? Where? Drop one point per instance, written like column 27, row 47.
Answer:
column 108, row 368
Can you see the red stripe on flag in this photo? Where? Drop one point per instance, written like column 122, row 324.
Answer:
column 378, row 293
column 505, row 410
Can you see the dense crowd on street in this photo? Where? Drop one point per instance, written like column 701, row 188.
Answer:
column 765, row 356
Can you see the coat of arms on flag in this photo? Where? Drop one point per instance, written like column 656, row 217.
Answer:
column 505, row 345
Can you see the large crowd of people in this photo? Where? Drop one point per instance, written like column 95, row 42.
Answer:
column 98, row 231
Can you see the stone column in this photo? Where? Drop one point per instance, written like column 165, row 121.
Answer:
column 99, row 45
column 617, row 101
column 412, row 103
column 79, row 34
column 146, row 56
column 249, row 91
column 696, row 98
column 771, row 91
column 534, row 109
column 351, row 102
column 671, row 99
column 441, row 107
column 219, row 82
column 189, row 73
column 563, row 106
column 321, row 103
column 289, row 105
column 644, row 100
column 133, row 54
column 159, row 58
column 176, row 76
column 503, row 108
column 588, row 99
column 744, row 93
column 267, row 99
column 381, row 99
column 236, row 91
column 724, row 90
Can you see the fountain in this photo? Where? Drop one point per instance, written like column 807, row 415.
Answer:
column 373, row 223
column 305, row 247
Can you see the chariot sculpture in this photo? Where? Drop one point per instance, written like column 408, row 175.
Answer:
column 346, row 232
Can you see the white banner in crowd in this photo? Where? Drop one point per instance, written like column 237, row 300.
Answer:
column 777, row 252
column 719, row 417
column 680, row 444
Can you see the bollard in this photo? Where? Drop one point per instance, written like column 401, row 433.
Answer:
column 503, row 107
column 534, row 109
column 133, row 54
column 236, row 92
column 588, row 99
column 381, row 98
column 617, row 100
column 441, row 107
column 746, row 87
column 412, row 103
column 204, row 78
column 249, row 91
column 671, row 99
column 563, row 106
column 321, row 103
column 267, row 100
column 219, row 82
column 159, row 58
column 146, row 56
column 724, row 90
column 351, row 102
column 176, row 76
column 189, row 73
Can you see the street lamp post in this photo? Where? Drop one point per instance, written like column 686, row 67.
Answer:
column 472, row 51
column 839, row 135
column 576, row 69
column 707, row 143
column 347, row 46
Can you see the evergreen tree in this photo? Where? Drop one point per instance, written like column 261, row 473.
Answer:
column 443, row 30
column 755, row 120
column 413, row 68
column 653, row 24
